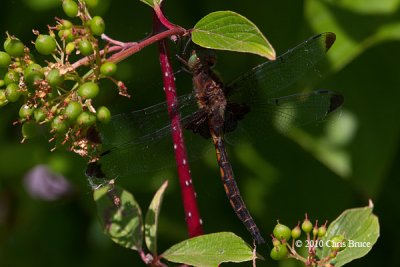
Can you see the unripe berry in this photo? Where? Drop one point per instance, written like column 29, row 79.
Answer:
column 70, row 8
column 338, row 243
column 54, row 78
column 39, row 115
column 86, row 119
column 66, row 35
column 103, row 115
column 315, row 229
column 296, row 232
column 25, row 112
column 282, row 232
column 307, row 226
column 97, row 25
column 32, row 74
column 59, row 125
column 85, row 47
column 5, row 60
column 14, row 47
column 322, row 231
column 11, row 77
column 3, row 98
column 275, row 241
column 88, row 90
column 12, row 92
column 29, row 129
column 73, row 110
column 45, row 44
column 279, row 252
column 70, row 48
column 2, row 83
column 92, row 3
column 108, row 68
column 66, row 24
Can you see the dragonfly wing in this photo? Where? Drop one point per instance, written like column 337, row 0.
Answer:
column 281, row 114
column 140, row 141
column 301, row 109
column 272, row 77
column 127, row 127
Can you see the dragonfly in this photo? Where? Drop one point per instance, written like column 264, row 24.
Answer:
column 215, row 110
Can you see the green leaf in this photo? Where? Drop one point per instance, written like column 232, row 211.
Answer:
column 120, row 215
column 210, row 250
column 227, row 30
column 152, row 3
column 356, row 225
column 151, row 221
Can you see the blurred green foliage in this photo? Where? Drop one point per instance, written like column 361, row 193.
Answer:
column 334, row 166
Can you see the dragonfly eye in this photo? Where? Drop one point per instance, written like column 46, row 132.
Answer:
column 202, row 58
column 193, row 61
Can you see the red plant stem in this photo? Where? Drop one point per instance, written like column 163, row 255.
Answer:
column 134, row 48
column 162, row 19
column 193, row 220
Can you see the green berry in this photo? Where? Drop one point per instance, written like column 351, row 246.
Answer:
column 275, row 242
column 13, row 92
column 66, row 35
column 296, row 232
column 86, row 119
column 92, row 3
column 70, row 8
column 73, row 110
column 315, row 229
column 88, row 90
column 54, row 78
column 279, row 252
column 45, row 44
column 108, row 68
column 14, row 47
column 103, row 115
column 59, row 125
column 338, row 243
column 11, row 77
column 322, row 231
column 3, row 98
column 70, row 48
column 32, row 74
column 85, row 47
column 281, row 232
column 97, row 25
column 2, row 83
column 66, row 24
column 5, row 60
column 307, row 226
column 29, row 129
column 39, row 115
column 25, row 111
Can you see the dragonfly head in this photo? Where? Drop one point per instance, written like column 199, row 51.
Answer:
column 202, row 58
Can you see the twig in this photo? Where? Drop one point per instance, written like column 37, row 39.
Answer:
column 188, row 193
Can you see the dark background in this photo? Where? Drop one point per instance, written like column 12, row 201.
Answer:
column 324, row 170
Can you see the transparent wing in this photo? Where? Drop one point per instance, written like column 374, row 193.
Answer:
column 272, row 77
column 126, row 128
column 140, row 141
column 268, row 115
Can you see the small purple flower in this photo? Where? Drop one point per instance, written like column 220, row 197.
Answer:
column 41, row 183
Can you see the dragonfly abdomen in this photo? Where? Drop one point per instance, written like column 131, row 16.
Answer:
column 232, row 190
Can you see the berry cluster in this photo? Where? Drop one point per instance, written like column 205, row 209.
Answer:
column 314, row 234
column 60, row 92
